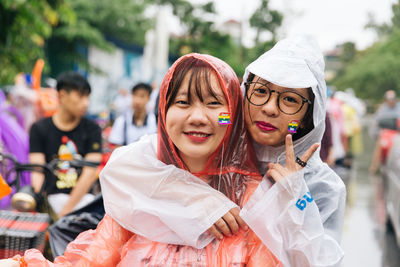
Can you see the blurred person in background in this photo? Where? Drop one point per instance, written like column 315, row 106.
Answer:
column 386, row 115
column 152, row 105
column 66, row 135
column 384, row 129
column 136, row 121
column 326, row 151
column 351, row 109
column 121, row 103
column 339, row 140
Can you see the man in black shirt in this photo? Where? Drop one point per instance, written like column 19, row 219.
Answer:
column 65, row 135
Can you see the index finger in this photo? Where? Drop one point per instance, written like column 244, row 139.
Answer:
column 290, row 162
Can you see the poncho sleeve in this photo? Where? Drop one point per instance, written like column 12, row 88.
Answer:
column 94, row 248
column 160, row 202
column 301, row 223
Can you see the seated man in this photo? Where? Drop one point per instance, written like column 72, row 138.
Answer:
column 136, row 121
column 65, row 135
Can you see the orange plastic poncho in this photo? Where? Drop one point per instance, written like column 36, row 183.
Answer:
column 112, row 245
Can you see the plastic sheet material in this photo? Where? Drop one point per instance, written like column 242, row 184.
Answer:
column 315, row 238
column 67, row 228
column 112, row 245
column 136, row 195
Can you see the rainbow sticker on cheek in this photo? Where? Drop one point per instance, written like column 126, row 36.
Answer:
column 224, row 118
column 293, row 126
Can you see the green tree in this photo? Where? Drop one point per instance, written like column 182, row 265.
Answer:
column 202, row 36
column 349, row 52
column 97, row 22
column 265, row 20
column 385, row 29
column 200, row 32
column 375, row 70
column 25, row 26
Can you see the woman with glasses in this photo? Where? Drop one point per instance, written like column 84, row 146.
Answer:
column 297, row 210
column 298, row 215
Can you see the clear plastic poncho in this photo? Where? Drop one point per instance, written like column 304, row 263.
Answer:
column 149, row 209
column 299, row 218
column 147, row 228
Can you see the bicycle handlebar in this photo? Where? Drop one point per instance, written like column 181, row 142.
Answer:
column 50, row 167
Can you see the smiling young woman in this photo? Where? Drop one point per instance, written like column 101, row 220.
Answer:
column 270, row 108
column 298, row 208
column 194, row 103
column 194, row 144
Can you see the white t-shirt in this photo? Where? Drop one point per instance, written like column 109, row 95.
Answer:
column 132, row 132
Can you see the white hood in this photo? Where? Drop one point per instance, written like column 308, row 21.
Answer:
column 295, row 63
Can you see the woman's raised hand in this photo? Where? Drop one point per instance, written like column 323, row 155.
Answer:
column 228, row 225
column 276, row 171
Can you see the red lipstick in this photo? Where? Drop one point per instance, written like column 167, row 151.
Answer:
column 265, row 126
column 197, row 137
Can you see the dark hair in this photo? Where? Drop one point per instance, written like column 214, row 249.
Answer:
column 73, row 81
column 198, row 70
column 307, row 121
column 143, row 86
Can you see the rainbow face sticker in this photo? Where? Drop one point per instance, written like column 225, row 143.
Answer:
column 293, row 126
column 224, row 118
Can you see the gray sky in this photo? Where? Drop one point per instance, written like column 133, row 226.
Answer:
column 330, row 21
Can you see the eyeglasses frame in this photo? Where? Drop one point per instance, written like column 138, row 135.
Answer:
column 304, row 100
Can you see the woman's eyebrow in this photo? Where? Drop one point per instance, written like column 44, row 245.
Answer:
column 262, row 81
column 219, row 95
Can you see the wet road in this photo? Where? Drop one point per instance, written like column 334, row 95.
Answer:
column 365, row 239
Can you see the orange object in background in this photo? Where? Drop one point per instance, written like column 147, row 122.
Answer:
column 48, row 101
column 385, row 142
column 37, row 74
column 48, row 97
column 5, row 189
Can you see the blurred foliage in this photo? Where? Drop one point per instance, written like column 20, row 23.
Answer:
column 31, row 27
column 60, row 31
column 202, row 36
column 265, row 20
column 25, row 26
column 122, row 20
column 200, row 33
column 375, row 70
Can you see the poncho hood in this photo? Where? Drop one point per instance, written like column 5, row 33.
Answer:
column 234, row 160
column 295, row 62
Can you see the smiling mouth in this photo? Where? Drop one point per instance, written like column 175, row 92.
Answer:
column 198, row 134
column 197, row 137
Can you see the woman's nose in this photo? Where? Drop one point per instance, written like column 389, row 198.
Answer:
column 197, row 114
column 271, row 107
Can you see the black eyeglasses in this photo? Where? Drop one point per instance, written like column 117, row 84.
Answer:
column 288, row 102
